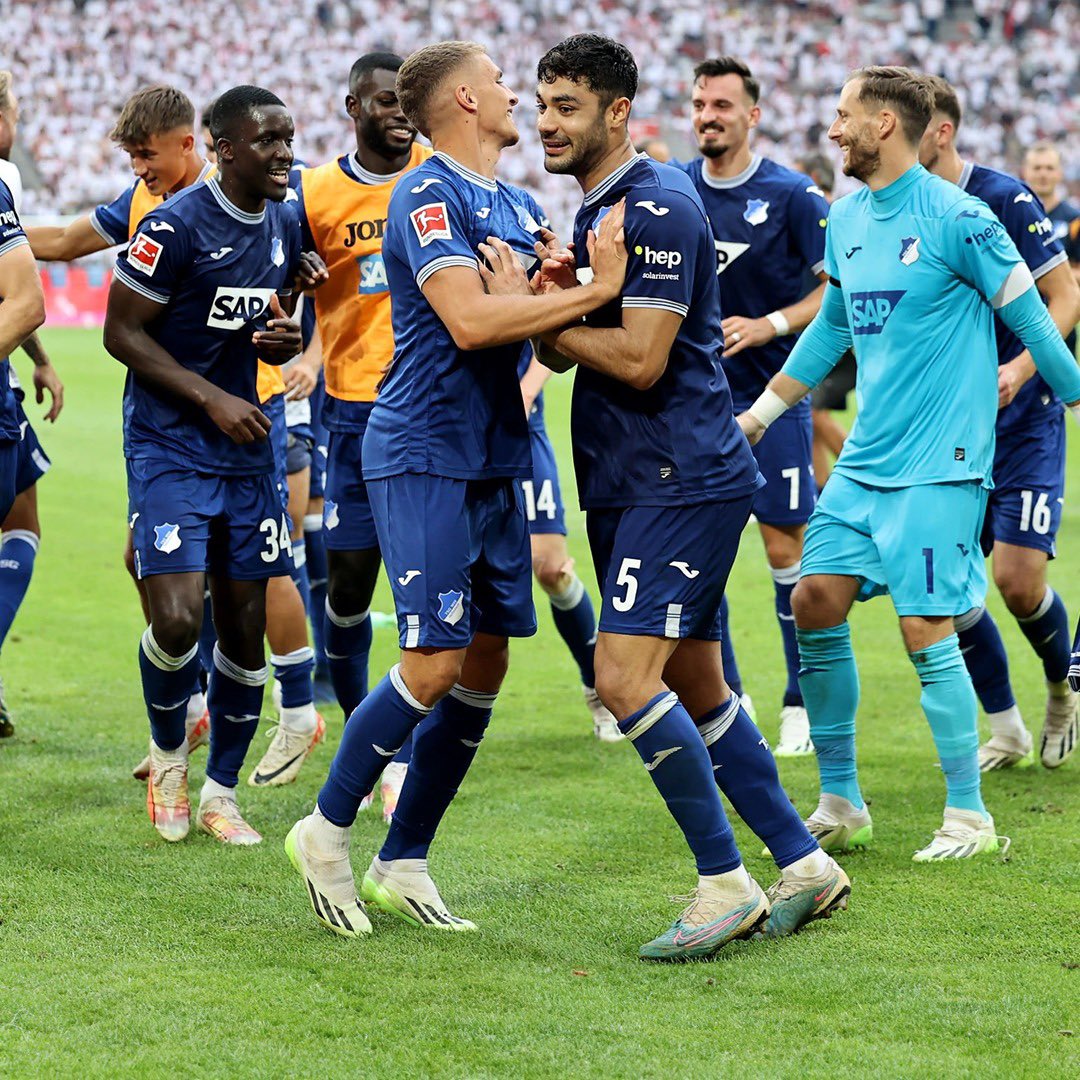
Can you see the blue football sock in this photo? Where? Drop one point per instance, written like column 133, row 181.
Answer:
column 830, row 685
column 1047, row 628
column 745, row 770
column 444, row 749
column 576, row 623
column 671, row 748
column 166, row 683
column 373, row 734
column 348, row 644
column 948, row 699
column 207, row 639
column 293, row 671
column 315, row 547
column 17, row 556
column 300, row 575
column 727, row 652
column 404, row 755
column 984, row 654
column 784, row 582
column 234, row 699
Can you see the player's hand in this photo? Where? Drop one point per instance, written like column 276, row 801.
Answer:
column 1011, row 379
column 743, row 333
column 752, row 428
column 501, row 269
column 300, row 382
column 312, row 272
column 281, row 339
column 242, row 421
column 607, row 251
column 45, row 378
column 558, row 265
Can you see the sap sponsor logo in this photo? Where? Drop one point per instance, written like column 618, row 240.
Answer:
column 167, row 537
column 727, row 252
column 431, row 222
column 984, row 236
column 1042, row 228
column 451, row 607
column 233, row 307
column 372, row 274
column 870, row 311
column 909, row 250
column 653, row 257
column 756, row 212
column 364, row 230
column 144, row 254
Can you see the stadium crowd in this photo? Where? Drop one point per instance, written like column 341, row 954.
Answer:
column 1016, row 61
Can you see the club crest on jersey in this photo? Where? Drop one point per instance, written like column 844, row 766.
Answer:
column 526, row 220
column 431, row 222
column 909, row 250
column 277, row 252
column 330, row 514
column 600, row 215
column 167, row 537
column 451, row 607
column 756, row 212
column 232, row 307
column 143, row 254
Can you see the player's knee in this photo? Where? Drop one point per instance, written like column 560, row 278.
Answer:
column 176, row 627
column 811, row 601
column 1021, row 594
column 347, row 598
column 129, row 560
column 430, row 677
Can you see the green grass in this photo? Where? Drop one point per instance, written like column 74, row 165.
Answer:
column 124, row 956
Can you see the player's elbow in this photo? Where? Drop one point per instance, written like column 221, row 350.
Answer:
column 114, row 337
column 647, row 371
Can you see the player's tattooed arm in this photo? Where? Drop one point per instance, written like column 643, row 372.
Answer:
column 45, row 377
column 126, row 318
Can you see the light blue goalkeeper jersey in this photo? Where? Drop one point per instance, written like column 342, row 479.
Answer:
column 922, row 265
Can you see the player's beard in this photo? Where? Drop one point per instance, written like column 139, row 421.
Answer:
column 864, row 157
column 373, row 136
column 588, row 147
column 712, row 149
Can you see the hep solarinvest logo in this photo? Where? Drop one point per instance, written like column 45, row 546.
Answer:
column 653, row 257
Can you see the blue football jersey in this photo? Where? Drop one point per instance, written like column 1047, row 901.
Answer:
column 1065, row 217
column 535, row 210
column 769, row 226
column 213, row 268
column 112, row 221
column 677, row 442
column 441, row 410
column 11, row 237
column 1018, row 208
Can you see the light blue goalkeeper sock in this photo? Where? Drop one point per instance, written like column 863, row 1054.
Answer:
column 948, row 699
column 830, row 685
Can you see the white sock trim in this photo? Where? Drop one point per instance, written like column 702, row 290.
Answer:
column 211, row 789
column 654, row 715
column 968, row 619
column 476, row 698
column 1047, row 602
column 297, row 656
column 160, row 658
column 718, row 727
column 398, row 684
column 312, row 523
column 786, row 575
column 570, row 597
column 1008, row 722
column 236, row 672
column 25, row 535
column 345, row 621
column 300, row 719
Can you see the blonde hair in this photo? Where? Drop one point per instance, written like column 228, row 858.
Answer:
column 425, row 72
column 152, row 111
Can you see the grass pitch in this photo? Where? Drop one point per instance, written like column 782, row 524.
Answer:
column 123, row 956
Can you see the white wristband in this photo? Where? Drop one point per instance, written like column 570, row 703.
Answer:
column 769, row 407
column 779, row 323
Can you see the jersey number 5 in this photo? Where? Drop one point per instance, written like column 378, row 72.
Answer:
column 626, row 580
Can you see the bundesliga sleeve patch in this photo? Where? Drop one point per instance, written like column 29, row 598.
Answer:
column 143, row 254
column 431, row 222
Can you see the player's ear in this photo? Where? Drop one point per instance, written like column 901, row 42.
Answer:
column 224, row 150
column 755, row 116
column 352, row 106
column 619, row 112
column 465, row 97
column 187, row 143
